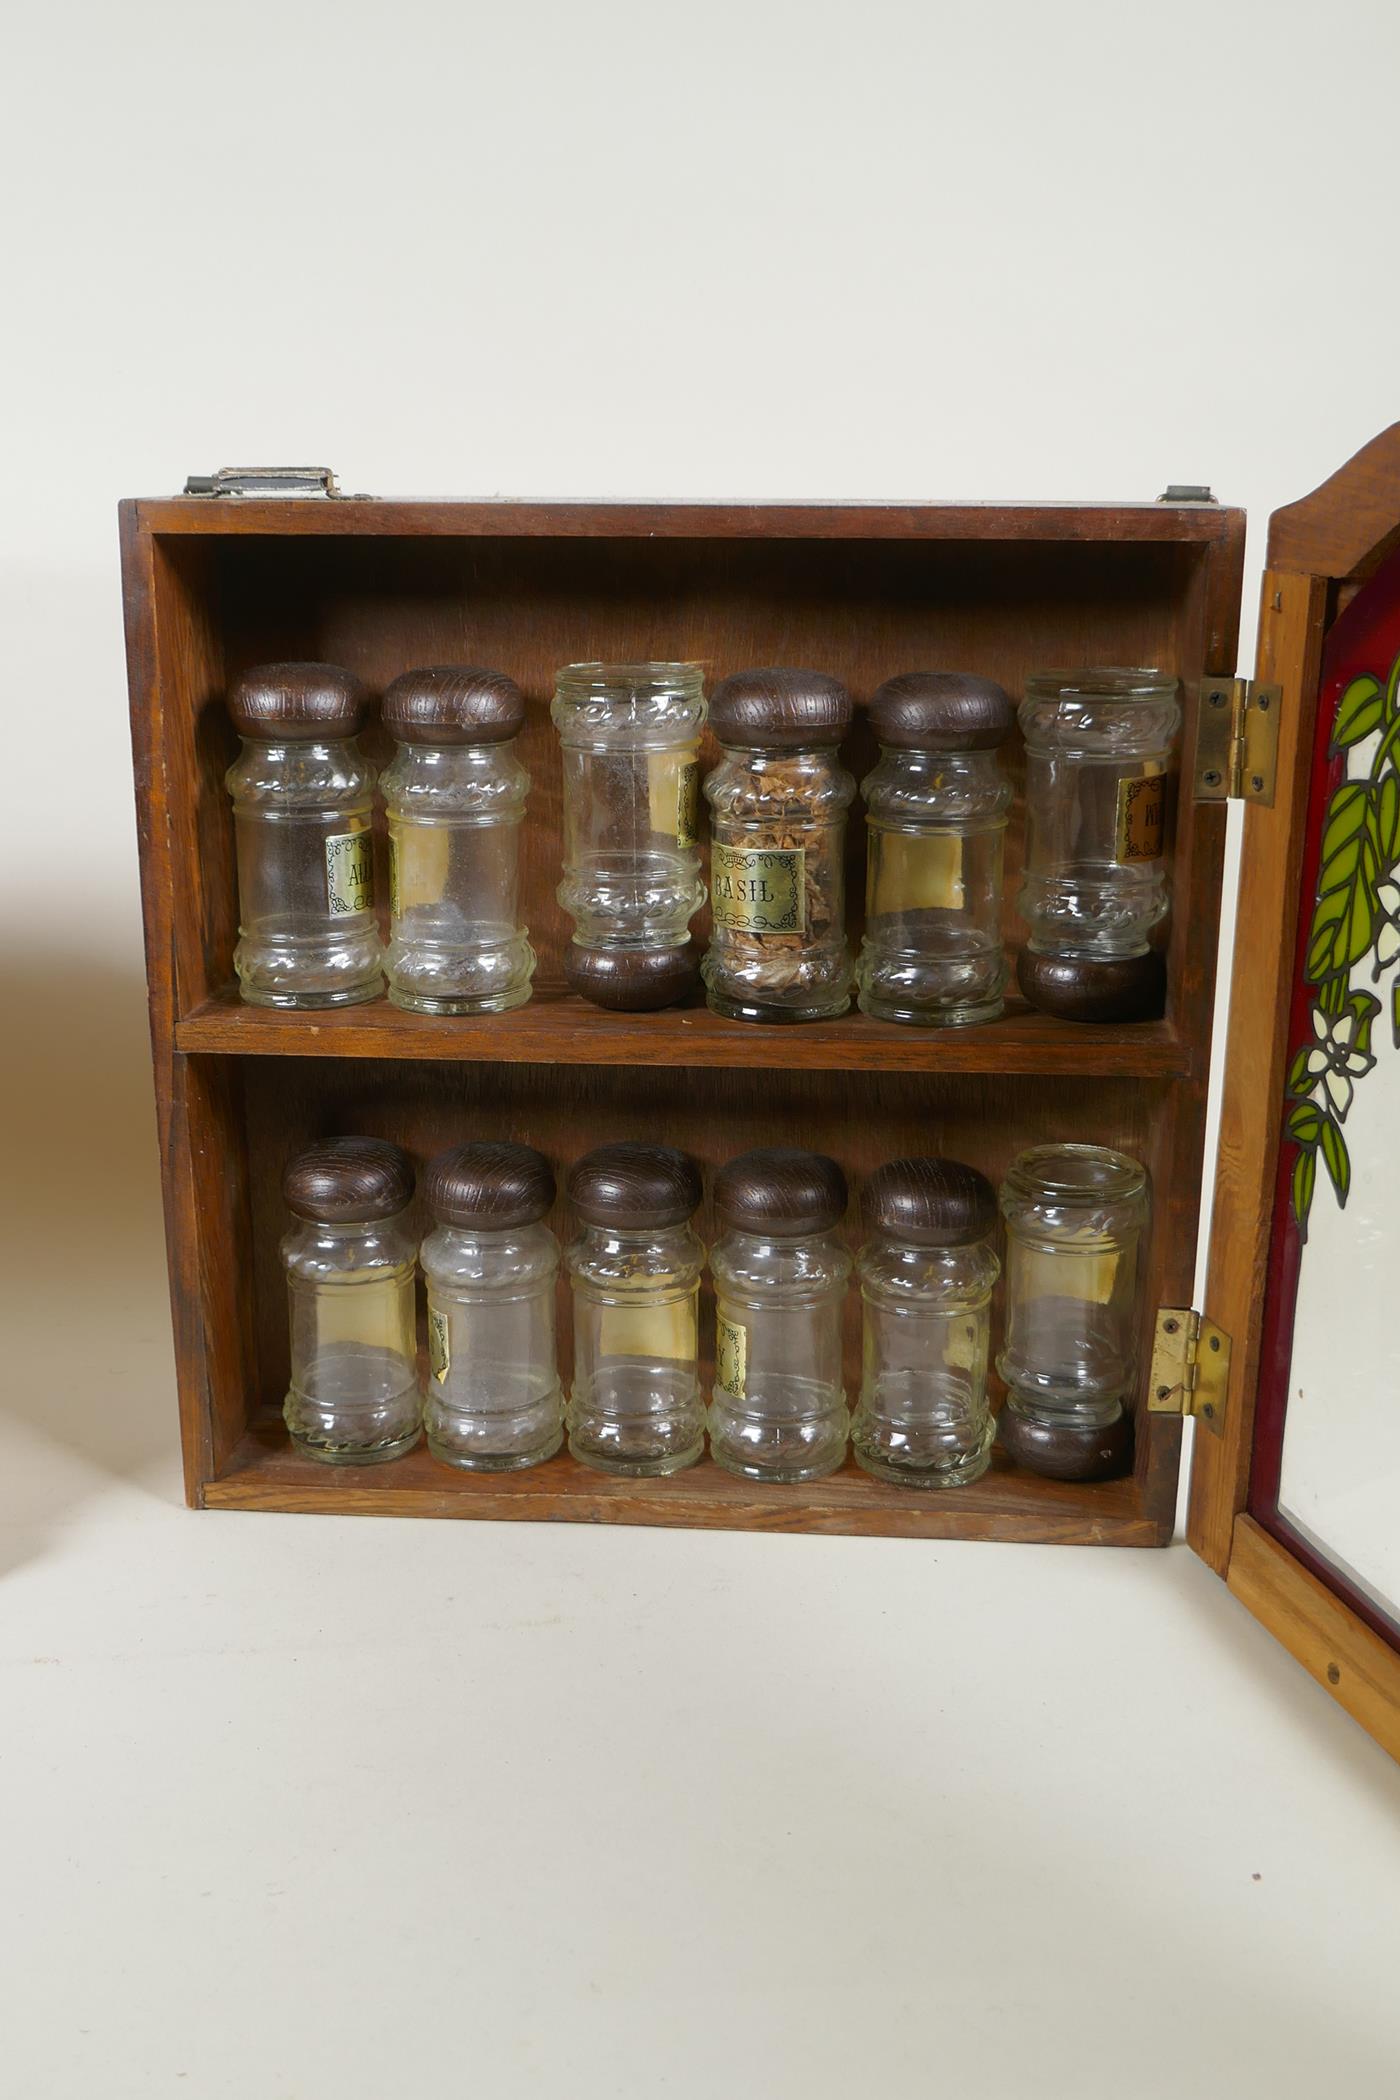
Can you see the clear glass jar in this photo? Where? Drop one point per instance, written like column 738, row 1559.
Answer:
column 927, row 1272
column 635, row 1267
column 936, row 822
column 350, row 1263
column 1098, row 772
column 303, row 798
column 493, row 1399
column 778, row 1404
column 778, row 801
column 1074, row 1217
column 631, row 751
column 455, row 794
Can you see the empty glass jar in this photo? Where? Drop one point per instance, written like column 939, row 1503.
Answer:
column 303, row 796
column 778, row 802
column 1098, row 757
column 927, row 1271
column 493, row 1400
column 631, row 748
column 350, row 1264
column 1074, row 1217
column 778, row 1406
column 455, row 794
column 635, row 1267
column 936, row 803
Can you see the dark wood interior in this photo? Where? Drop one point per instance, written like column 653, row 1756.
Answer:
column 214, row 587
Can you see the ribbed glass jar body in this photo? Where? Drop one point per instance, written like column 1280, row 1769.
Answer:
column 1098, row 753
column 778, row 1405
column 932, row 952
column 631, row 757
column 778, row 949
column 493, row 1398
column 923, row 1419
column 1074, row 1217
column 456, row 944
column 636, row 1406
column 307, row 933
column 354, row 1397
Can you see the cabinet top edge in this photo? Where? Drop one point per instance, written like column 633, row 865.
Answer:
column 364, row 517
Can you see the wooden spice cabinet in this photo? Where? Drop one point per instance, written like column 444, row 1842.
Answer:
column 214, row 584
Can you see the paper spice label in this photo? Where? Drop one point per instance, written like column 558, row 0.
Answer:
column 1142, row 811
column 731, row 1356
column 349, row 872
column 439, row 1344
column 757, row 890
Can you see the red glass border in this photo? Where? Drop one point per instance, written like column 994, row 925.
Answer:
column 1366, row 637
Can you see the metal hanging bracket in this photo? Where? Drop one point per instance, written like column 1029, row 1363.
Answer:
column 264, row 481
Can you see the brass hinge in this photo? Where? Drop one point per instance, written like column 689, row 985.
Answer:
column 1190, row 1367
column 1237, row 740
column 264, row 481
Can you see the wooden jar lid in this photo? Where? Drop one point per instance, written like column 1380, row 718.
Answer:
column 489, row 1187
column 296, row 703
column 631, row 980
column 929, row 1203
column 1067, row 1450
column 349, row 1181
column 780, row 710
column 942, row 711
column 1079, row 988
column 780, row 1191
column 453, row 704
column 635, row 1187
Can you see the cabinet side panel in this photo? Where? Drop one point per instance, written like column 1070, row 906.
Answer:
column 1290, row 645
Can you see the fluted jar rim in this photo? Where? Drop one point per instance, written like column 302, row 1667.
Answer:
column 1072, row 1175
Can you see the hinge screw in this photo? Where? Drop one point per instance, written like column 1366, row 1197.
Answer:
column 1215, row 1341
column 1262, row 703
column 1217, row 699
column 1170, row 1326
column 1256, row 781
column 1163, row 1392
column 1212, row 780
column 1209, row 1410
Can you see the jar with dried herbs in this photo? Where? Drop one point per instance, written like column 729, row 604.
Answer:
column 778, row 801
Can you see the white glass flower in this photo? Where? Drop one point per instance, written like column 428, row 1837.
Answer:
column 1388, row 939
column 1334, row 1060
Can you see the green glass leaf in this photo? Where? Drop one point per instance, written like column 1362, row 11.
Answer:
column 1359, row 712
column 1304, row 1176
column 1334, row 1151
column 1346, row 813
column 1364, row 1007
column 1383, row 820
column 1298, row 1070
column 1332, row 997
column 1344, row 922
column 1305, row 1123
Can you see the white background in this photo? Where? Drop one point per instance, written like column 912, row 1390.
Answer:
column 307, row 1810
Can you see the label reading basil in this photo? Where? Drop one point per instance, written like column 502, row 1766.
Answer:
column 1142, row 811
column 687, row 802
column 439, row 1344
column 759, row 891
column 349, row 872
column 731, row 1356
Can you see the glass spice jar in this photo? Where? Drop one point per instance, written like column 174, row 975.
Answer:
column 455, row 794
column 350, row 1264
column 778, row 1405
column 1074, row 1217
column 493, row 1400
column 927, row 1271
column 936, row 821
column 1098, row 757
column 631, row 750
column 635, row 1269
column 303, row 797
column 778, row 802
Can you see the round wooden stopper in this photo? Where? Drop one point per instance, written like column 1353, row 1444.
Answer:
column 929, row 1203
column 489, row 1188
column 780, row 1192
column 1077, row 988
column 296, row 703
column 453, row 704
column 1067, row 1450
column 349, row 1181
column 631, row 980
column 780, row 710
column 637, row 1188
column 941, row 711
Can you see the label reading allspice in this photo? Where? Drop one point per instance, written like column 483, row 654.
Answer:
column 759, row 890
column 731, row 1356
column 1142, row 812
column 439, row 1344
column 349, row 872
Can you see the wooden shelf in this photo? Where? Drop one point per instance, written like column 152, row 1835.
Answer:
column 558, row 1028
column 1005, row 1504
